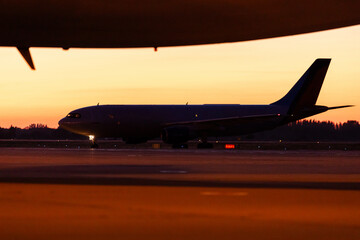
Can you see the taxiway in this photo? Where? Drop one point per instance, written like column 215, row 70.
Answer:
column 178, row 194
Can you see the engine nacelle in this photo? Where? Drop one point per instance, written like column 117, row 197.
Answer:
column 134, row 140
column 178, row 134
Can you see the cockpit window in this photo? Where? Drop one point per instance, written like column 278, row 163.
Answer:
column 74, row 115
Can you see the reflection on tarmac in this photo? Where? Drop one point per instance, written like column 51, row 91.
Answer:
column 192, row 194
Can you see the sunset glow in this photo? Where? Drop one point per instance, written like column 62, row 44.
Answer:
column 255, row 72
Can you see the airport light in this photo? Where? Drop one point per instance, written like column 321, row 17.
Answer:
column 91, row 137
column 229, row 146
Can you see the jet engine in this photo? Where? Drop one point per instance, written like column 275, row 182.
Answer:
column 176, row 134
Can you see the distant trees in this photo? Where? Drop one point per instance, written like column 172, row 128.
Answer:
column 38, row 131
column 305, row 130
column 310, row 130
column 36, row 125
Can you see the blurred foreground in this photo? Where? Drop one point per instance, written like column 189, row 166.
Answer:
column 172, row 194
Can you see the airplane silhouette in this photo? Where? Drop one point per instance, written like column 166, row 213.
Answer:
column 176, row 124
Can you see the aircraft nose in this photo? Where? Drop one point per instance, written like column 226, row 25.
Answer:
column 63, row 123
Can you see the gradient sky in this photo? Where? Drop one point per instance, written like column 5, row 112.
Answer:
column 254, row 72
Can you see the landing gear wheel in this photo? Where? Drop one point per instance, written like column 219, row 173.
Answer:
column 180, row 146
column 205, row 145
column 94, row 145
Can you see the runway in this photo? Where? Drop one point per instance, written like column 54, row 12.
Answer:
column 178, row 194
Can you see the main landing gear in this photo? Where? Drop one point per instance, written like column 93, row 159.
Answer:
column 180, row 146
column 204, row 144
column 93, row 143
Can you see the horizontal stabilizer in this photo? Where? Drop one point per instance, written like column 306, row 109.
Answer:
column 345, row 106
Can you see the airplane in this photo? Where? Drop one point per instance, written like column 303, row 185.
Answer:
column 163, row 23
column 177, row 124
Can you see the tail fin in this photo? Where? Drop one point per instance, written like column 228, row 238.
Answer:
column 305, row 92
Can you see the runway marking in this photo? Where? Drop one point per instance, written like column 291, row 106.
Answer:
column 236, row 194
column 210, row 193
column 174, row 171
column 239, row 194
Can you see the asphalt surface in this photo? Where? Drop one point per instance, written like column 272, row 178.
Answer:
column 179, row 194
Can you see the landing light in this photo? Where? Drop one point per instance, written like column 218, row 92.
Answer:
column 91, row 137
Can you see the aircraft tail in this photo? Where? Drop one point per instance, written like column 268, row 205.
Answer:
column 304, row 94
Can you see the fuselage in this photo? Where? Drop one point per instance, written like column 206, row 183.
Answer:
column 147, row 121
column 180, row 123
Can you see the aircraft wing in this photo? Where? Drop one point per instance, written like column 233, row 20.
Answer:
column 231, row 121
column 163, row 23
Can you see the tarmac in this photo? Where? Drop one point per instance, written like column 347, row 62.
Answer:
column 50, row 193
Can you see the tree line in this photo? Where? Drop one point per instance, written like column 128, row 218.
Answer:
column 311, row 130
column 305, row 130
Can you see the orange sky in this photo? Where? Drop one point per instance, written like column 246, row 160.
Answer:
column 255, row 72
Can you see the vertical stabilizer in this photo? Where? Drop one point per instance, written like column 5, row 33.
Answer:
column 305, row 92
